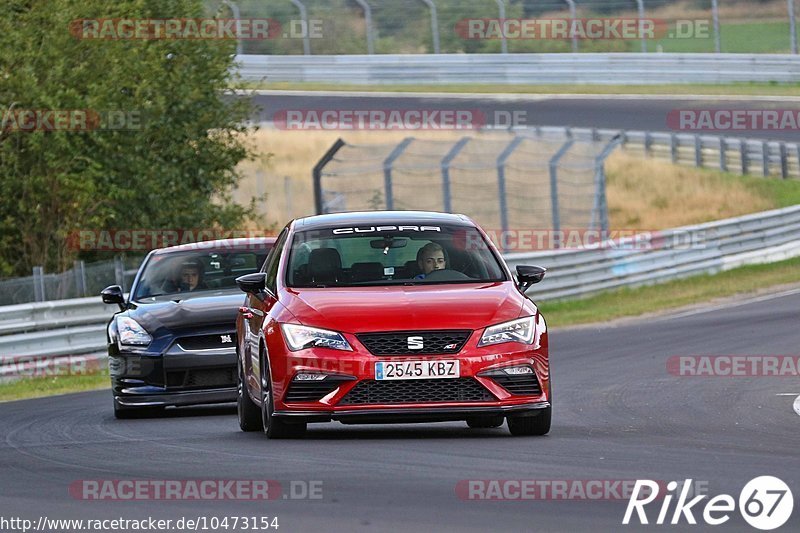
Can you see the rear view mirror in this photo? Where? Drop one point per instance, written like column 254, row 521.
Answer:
column 528, row 275
column 113, row 295
column 388, row 243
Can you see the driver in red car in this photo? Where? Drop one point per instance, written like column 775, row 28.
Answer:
column 429, row 258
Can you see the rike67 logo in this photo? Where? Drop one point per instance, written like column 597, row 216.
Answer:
column 765, row 503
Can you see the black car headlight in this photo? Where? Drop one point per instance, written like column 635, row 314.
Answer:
column 520, row 330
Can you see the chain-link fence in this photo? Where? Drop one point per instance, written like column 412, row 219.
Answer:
column 82, row 280
column 520, row 179
column 442, row 26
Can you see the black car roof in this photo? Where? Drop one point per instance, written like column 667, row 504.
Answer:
column 383, row 218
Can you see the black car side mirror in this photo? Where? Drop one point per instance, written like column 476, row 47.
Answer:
column 113, row 295
column 527, row 275
column 255, row 283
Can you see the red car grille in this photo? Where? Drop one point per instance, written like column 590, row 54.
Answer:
column 417, row 391
column 397, row 342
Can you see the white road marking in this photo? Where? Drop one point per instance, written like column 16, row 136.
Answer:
column 518, row 96
column 797, row 405
column 786, row 394
column 736, row 303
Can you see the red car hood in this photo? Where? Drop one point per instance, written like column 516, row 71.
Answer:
column 405, row 307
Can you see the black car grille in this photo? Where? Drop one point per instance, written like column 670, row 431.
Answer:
column 312, row 391
column 396, row 342
column 417, row 391
column 525, row 384
column 207, row 377
column 208, row 342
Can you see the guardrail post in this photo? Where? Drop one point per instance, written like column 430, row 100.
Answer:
column 698, row 151
column 38, row 284
column 446, row 196
column 765, row 158
column 119, row 272
column 387, row 171
column 640, row 6
column 648, row 143
column 307, row 29
column 554, row 208
column 368, row 22
column 723, row 154
column 573, row 16
column 784, row 162
column 501, row 183
column 673, row 147
column 743, row 155
column 238, row 17
column 715, row 18
column 501, row 8
column 434, row 25
column 600, row 207
column 80, row 277
column 317, row 174
column 792, row 26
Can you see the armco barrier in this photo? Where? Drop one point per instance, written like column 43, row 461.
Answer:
column 74, row 327
column 588, row 68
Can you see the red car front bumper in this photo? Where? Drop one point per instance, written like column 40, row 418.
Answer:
column 351, row 394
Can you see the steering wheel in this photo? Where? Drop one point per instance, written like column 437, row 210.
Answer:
column 447, row 275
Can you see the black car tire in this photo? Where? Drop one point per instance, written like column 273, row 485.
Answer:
column 521, row 426
column 274, row 427
column 128, row 413
column 481, row 422
column 248, row 412
column 533, row 425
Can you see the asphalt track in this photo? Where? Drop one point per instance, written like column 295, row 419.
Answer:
column 613, row 112
column 618, row 415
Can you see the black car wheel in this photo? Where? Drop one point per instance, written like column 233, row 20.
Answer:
column 478, row 422
column 538, row 424
column 274, row 428
column 248, row 412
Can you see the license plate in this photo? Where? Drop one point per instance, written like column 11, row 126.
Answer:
column 387, row 370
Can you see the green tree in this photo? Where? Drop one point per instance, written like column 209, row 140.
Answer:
column 173, row 165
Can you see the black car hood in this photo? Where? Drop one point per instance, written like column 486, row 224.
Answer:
column 193, row 311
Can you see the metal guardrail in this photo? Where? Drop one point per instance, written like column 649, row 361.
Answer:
column 672, row 254
column 537, row 69
column 728, row 154
column 75, row 327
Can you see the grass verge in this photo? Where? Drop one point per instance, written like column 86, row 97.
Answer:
column 36, row 387
column 734, row 89
column 673, row 294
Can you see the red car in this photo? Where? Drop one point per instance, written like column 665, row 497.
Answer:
column 387, row 317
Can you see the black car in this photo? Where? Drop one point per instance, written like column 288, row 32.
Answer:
column 173, row 342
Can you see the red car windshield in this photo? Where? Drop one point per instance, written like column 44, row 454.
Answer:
column 391, row 255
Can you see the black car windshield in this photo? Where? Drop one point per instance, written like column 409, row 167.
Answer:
column 194, row 271
column 391, row 255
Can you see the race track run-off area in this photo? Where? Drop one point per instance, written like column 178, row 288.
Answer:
column 619, row 415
